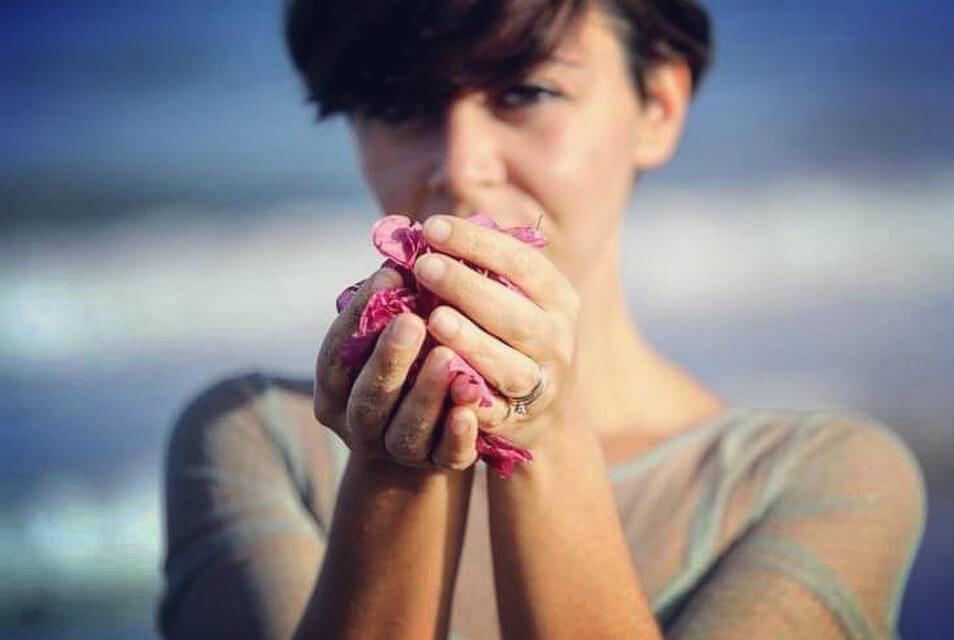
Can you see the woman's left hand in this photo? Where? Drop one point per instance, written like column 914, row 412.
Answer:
column 502, row 334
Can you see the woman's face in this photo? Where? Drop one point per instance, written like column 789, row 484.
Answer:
column 564, row 146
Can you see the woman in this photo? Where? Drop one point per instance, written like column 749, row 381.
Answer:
column 651, row 508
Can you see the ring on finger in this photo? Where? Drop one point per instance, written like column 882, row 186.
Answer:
column 521, row 405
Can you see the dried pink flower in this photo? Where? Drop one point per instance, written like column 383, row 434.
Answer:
column 501, row 455
column 382, row 307
column 458, row 366
column 401, row 241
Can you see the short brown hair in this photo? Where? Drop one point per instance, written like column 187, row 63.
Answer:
column 401, row 59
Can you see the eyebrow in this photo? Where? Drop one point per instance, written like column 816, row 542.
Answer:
column 568, row 62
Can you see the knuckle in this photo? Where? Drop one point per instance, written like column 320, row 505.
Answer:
column 465, row 283
column 454, row 457
column 528, row 332
column 419, row 402
column 475, row 242
column 564, row 346
column 564, row 353
column 573, row 306
column 327, row 380
column 521, row 382
column 439, row 356
column 405, row 443
column 324, row 366
column 388, row 364
column 362, row 411
column 455, row 463
column 389, row 361
column 522, row 264
column 325, row 411
column 491, row 419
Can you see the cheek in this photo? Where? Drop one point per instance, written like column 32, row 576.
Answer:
column 389, row 171
column 588, row 176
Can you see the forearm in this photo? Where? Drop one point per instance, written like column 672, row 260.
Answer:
column 392, row 554
column 562, row 568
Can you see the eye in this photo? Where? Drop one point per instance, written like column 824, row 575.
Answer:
column 403, row 119
column 523, row 95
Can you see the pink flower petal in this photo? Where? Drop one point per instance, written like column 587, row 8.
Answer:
column 501, row 455
column 399, row 239
column 356, row 349
column 383, row 306
column 483, row 220
column 458, row 366
column 529, row 235
column 345, row 296
column 405, row 272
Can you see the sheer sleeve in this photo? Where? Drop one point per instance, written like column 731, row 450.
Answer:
column 246, row 514
column 829, row 548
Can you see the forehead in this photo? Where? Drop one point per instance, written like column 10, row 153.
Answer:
column 588, row 42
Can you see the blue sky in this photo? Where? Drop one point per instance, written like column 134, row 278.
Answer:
column 196, row 100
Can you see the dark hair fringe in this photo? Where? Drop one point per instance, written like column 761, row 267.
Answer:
column 399, row 59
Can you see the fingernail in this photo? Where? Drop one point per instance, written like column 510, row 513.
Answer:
column 446, row 323
column 429, row 268
column 437, row 229
column 404, row 332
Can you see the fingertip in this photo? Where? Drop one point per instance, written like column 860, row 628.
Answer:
column 386, row 277
column 463, row 392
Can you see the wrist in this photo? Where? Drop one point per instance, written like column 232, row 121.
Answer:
column 385, row 471
column 562, row 446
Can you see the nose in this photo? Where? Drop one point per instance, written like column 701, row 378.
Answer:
column 469, row 160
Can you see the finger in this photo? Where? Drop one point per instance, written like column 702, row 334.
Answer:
column 381, row 380
column 503, row 254
column 410, row 434
column 457, row 448
column 501, row 311
column 507, row 369
column 491, row 418
column 333, row 377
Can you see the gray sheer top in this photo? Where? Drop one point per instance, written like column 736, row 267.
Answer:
column 759, row 523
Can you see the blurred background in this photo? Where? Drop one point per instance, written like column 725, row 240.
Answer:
column 169, row 214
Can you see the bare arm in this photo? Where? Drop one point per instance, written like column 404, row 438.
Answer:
column 396, row 535
column 392, row 554
column 561, row 565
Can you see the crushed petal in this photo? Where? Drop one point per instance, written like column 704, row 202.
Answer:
column 401, row 241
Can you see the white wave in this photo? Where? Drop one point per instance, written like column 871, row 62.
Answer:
column 71, row 536
column 148, row 287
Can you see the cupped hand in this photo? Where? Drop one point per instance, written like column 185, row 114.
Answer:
column 365, row 404
column 504, row 335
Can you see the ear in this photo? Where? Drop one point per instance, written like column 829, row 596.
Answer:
column 662, row 113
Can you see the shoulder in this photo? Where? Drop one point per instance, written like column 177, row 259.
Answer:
column 236, row 411
column 838, row 470
column 835, row 450
column 865, row 462
column 236, row 393
column 836, row 442
column 831, row 501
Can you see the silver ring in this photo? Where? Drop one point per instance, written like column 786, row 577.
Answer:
column 521, row 405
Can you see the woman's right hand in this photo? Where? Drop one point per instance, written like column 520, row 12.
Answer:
column 369, row 413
